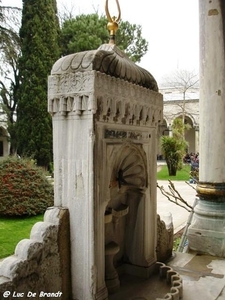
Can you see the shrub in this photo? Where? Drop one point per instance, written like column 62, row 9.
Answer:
column 173, row 150
column 24, row 188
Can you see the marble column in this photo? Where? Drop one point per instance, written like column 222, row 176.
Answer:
column 170, row 130
column 196, row 139
column 207, row 232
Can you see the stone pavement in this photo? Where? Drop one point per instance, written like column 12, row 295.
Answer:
column 203, row 278
column 164, row 206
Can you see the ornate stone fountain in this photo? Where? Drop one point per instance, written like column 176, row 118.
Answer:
column 105, row 112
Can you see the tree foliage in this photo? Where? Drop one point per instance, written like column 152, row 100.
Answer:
column 178, row 128
column 129, row 39
column 9, row 81
column 24, row 188
column 88, row 32
column 39, row 35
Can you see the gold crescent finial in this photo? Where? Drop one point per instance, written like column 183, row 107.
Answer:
column 113, row 21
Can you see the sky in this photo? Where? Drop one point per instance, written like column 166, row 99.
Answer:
column 171, row 28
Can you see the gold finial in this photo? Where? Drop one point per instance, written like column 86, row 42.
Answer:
column 113, row 22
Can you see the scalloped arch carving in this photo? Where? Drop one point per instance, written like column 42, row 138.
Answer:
column 130, row 168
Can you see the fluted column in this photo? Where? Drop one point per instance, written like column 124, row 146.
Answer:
column 207, row 232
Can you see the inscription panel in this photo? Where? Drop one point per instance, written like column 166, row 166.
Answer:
column 126, row 134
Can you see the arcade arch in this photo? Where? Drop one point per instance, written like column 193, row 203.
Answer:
column 4, row 142
column 173, row 108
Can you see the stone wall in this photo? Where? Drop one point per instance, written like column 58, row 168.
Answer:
column 39, row 267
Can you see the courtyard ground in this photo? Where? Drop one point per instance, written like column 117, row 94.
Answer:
column 203, row 276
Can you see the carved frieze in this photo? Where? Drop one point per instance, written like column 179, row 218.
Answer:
column 110, row 99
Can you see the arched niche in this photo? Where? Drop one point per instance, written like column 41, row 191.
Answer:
column 128, row 185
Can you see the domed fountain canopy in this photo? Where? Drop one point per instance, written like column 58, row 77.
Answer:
column 108, row 59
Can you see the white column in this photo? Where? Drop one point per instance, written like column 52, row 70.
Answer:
column 170, row 130
column 196, row 139
column 207, row 234
column 212, row 92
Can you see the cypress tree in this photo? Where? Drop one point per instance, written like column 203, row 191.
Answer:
column 39, row 35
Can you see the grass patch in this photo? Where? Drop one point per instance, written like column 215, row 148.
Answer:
column 12, row 230
column 177, row 239
column 176, row 243
column 183, row 174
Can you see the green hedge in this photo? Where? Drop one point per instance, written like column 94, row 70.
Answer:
column 24, row 188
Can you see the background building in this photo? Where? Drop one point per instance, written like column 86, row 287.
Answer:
column 177, row 105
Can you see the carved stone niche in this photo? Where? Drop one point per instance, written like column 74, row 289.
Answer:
column 130, row 229
column 127, row 195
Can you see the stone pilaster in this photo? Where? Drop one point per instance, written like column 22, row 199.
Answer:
column 207, row 233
